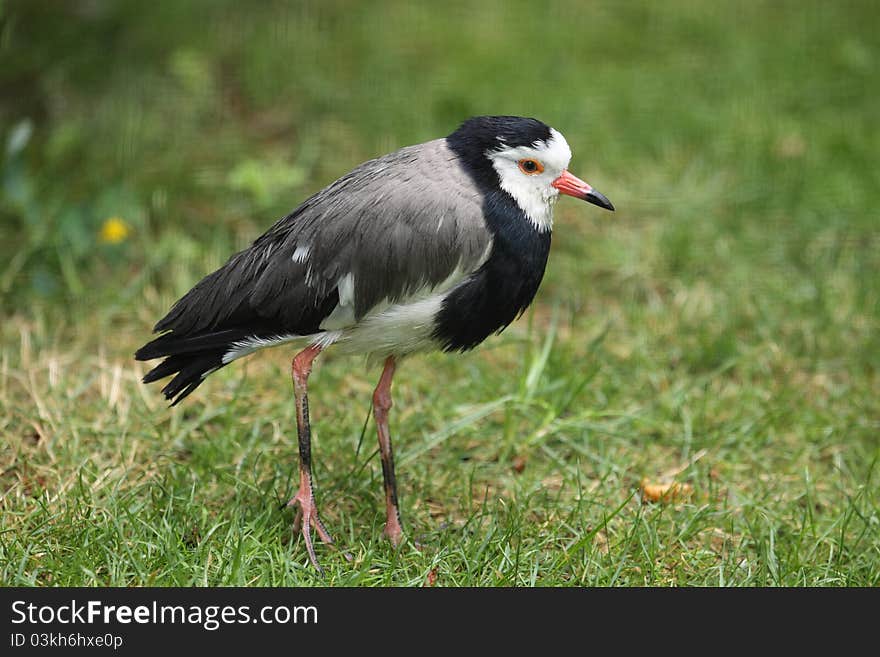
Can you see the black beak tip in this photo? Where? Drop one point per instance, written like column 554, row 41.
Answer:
column 596, row 198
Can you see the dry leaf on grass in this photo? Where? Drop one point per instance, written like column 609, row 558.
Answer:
column 668, row 492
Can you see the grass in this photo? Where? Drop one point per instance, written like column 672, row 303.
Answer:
column 720, row 331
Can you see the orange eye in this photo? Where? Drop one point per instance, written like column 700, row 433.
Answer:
column 530, row 167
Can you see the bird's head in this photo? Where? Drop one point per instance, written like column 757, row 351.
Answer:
column 525, row 158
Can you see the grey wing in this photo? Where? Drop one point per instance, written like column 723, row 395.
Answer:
column 393, row 226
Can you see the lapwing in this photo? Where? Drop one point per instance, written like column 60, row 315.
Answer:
column 435, row 246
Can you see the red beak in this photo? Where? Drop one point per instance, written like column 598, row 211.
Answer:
column 570, row 184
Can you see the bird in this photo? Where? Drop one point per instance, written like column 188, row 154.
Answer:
column 435, row 246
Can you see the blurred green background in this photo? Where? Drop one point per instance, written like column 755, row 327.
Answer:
column 730, row 309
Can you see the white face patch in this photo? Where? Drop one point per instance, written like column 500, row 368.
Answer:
column 534, row 193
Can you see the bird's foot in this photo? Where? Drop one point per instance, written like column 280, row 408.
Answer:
column 306, row 519
column 393, row 531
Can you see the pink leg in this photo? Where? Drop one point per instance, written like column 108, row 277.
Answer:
column 381, row 405
column 308, row 511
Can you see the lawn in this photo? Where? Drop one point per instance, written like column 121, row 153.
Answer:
column 720, row 333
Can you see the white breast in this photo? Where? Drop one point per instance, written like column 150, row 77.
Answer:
column 399, row 329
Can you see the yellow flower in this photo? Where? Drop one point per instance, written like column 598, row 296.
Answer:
column 114, row 231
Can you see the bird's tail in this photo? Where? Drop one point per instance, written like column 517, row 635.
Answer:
column 191, row 359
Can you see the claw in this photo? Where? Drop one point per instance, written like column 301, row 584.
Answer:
column 308, row 511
